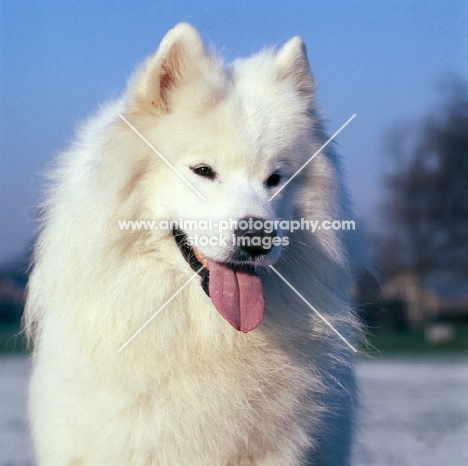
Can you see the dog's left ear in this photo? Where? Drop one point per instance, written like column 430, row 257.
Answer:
column 293, row 66
column 180, row 58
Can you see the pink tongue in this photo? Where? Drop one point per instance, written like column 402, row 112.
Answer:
column 238, row 296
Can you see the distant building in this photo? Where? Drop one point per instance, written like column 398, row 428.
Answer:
column 11, row 298
column 437, row 300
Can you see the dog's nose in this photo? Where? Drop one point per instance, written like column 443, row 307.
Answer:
column 252, row 236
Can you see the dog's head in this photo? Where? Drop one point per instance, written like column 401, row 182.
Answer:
column 228, row 143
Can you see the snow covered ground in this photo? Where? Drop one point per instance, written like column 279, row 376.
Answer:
column 415, row 413
column 15, row 442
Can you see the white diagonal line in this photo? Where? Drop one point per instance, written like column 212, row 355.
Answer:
column 313, row 308
column 308, row 161
column 159, row 154
column 160, row 309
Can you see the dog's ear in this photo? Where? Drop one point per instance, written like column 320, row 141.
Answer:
column 293, row 66
column 180, row 58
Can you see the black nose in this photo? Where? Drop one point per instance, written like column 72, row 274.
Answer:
column 254, row 235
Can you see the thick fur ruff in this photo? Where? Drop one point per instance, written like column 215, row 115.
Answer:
column 190, row 389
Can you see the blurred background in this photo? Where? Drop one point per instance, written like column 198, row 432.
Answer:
column 402, row 67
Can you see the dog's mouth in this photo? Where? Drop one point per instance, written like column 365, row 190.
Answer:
column 236, row 291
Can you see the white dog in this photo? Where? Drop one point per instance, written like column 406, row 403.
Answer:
column 235, row 368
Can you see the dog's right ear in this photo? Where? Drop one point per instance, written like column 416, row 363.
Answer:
column 293, row 66
column 179, row 59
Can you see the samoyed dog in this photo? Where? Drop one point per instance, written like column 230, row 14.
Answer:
column 177, row 320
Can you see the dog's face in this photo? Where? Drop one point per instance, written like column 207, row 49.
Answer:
column 237, row 170
column 232, row 139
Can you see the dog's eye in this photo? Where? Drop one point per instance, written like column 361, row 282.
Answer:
column 273, row 180
column 204, row 170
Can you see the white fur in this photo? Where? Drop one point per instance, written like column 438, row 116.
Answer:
column 190, row 389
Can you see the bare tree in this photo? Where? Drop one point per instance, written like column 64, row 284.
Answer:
column 425, row 247
column 428, row 191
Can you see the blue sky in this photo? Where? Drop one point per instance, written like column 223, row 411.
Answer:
column 58, row 60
